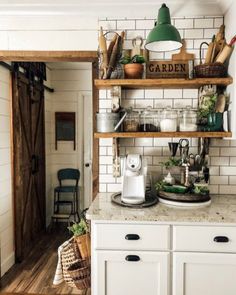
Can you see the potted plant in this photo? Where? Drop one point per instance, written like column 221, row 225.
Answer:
column 82, row 237
column 133, row 67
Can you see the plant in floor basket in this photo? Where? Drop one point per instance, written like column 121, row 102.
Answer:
column 133, row 67
column 82, row 237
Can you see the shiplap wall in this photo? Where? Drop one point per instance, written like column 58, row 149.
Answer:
column 222, row 152
column 6, row 204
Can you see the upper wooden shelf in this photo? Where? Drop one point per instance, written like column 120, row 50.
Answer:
column 162, row 83
column 194, row 134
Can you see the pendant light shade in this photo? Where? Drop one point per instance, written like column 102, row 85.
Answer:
column 164, row 36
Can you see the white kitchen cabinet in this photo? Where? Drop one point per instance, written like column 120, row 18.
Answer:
column 131, row 273
column 204, row 273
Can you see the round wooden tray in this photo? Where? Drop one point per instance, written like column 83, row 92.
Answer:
column 184, row 198
column 151, row 200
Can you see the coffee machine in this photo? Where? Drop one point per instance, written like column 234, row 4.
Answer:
column 134, row 179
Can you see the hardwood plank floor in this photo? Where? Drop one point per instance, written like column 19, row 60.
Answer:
column 35, row 274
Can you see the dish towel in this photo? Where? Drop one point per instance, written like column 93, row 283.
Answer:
column 58, row 278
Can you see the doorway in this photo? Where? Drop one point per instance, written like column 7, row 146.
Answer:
column 83, row 99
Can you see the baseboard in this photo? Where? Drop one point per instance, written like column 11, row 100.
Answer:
column 7, row 263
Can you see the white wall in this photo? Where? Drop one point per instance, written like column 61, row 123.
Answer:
column 6, row 204
column 230, row 23
column 48, row 33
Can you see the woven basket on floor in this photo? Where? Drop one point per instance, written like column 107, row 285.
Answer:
column 69, row 255
column 80, row 273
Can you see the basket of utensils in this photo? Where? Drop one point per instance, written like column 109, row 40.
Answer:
column 212, row 69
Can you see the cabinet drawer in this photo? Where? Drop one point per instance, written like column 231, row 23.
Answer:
column 204, row 238
column 131, row 237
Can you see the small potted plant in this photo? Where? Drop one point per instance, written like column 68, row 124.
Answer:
column 82, row 237
column 133, row 67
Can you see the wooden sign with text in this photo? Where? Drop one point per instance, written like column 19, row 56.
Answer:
column 167, row 69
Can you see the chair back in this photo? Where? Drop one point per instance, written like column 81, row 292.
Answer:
column 68, row 174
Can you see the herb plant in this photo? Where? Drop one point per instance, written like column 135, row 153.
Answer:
column 79, row 229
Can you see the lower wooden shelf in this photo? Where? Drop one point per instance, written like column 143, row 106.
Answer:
column 196, row 134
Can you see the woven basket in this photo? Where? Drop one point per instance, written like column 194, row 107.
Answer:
column 80, row 273
column 210, row 70
column 69, row 255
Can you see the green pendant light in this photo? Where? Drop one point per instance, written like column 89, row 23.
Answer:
column 164, row 36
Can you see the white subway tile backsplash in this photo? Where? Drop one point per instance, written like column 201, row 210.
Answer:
column 193, row 33
column 190, row 93
column 209, row 33
column 227, row 189
column 135, row 94
column 203, row 23
column 222, row 153
column 219, row 180
column 143, row 141
column 227, row 170
column 183, row 23
column 108, row 25
column 125, row 24
column 219, row 161
column 153, row 93
column 144, row 24
column 173, row 93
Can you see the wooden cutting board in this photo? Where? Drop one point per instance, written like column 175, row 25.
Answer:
column 183, row 55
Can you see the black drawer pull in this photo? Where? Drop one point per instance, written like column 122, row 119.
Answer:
column 132, row 237
column 132, row 258
column 221, row 239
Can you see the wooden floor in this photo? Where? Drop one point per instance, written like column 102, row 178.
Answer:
column 35, row 275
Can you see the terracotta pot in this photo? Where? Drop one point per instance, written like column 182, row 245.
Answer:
column 84, row 244
column 133, row 71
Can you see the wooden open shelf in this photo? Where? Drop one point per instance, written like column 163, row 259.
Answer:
column 194, row 134
column 162, row 83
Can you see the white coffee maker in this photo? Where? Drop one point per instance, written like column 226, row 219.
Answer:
column 134, row 179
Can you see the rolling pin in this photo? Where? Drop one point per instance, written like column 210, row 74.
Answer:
column 226, row 52
column 103, row 50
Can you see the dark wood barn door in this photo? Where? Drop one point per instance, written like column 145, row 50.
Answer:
column 29, row 162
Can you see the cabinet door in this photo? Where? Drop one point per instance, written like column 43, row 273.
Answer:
column 204, row 273
column 130, row 273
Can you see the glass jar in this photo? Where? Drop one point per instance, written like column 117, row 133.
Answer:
column 188, row 120
column 149, row 120
column 131, row 122
column 168, row 122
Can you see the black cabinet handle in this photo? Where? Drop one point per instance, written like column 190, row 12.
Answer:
column 132, row 237
column 132, row 258
column 221, row 239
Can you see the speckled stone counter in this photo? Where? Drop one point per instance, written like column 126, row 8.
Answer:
column 221, row 210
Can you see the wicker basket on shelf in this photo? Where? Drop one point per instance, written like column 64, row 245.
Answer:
column 209, row 70
column 80, row 273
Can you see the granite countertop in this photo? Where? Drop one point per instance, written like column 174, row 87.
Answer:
column 221, row 210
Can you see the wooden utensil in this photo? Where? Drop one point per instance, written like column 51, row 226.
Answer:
column 210, row 50
column 220, row 103
column 183, row 55
column 110, row 47
column 113, row 59
column 103, row 50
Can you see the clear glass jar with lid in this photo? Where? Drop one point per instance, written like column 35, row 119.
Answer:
column 188, row 120
column 131, row 122
column 168, row 122
column 149, row 120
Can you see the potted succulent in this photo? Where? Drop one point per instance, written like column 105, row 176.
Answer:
column 82, row 237
column 133, row 67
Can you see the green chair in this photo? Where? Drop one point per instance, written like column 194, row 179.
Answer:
column 63, row 175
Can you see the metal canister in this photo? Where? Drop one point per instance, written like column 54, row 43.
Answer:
column 106, row 122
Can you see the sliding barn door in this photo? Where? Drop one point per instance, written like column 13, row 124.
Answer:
column 29, row 162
